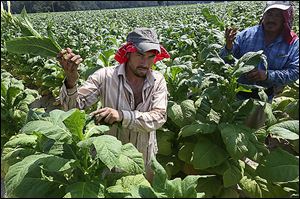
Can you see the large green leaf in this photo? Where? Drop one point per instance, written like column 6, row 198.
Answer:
column 287, row 130
column 48, row 129
column 240, row 141
column 75, row 123
column 85, row 190
column 186, row 151
column 208, row 154
column 252, row 187
column 188, row 111
column 127, row 184
column 36, row 187
column 131, row 160
column 160, row 175
column 211, row 185
column 21, row 140
column 188, row 186
column 108, row 150
column 32, row 45
column 25, row 25
column 234, row 173
column 174, row 112
column 248, row 62
column 32, row 165
column 196, row 128
column 257, row 187
column 279, row 166
column 165, row 141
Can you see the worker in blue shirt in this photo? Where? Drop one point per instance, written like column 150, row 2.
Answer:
column 279, row 43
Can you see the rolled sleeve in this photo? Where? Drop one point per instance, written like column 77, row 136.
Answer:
column 68, row 97
column 127, row 118
column 84, row 96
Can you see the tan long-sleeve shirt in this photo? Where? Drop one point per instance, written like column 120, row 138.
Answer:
column 109, row 85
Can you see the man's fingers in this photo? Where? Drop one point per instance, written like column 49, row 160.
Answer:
column 78, row 61
column 69, row 50
column 108, row 118
column 74, row 58
column 97, row 111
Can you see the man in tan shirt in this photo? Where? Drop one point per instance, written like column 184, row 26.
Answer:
column 131, row 93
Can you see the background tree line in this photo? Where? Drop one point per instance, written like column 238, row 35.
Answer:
column 63, row 6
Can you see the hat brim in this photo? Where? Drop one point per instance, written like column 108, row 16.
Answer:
column 278, row 6
column 144, row 47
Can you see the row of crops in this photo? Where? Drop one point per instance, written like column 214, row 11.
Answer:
column 205, row 148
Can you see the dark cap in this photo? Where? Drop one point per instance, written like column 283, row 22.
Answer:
column 144, row 39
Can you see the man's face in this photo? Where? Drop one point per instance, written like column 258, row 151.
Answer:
column 140, row 63
column 273, row 20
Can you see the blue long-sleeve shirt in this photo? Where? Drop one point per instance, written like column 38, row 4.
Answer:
column 282, row 58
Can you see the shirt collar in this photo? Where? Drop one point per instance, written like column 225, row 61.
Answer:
column 149, row 76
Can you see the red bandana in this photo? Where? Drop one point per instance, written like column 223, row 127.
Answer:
column 120, row 55
column 288, row 35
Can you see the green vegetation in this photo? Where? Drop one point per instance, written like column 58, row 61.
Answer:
column 204, row 147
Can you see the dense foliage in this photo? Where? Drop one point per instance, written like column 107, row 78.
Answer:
column 205, row 147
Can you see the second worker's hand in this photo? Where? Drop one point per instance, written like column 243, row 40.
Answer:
column 230, row 34
column 256, row 75
column 69, row 62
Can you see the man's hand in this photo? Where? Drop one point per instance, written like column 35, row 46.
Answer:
column 256, row 75
column 108, row 115
column 69, row 61
column 230, row 34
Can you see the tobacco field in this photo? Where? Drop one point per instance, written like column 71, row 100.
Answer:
column 204, row 149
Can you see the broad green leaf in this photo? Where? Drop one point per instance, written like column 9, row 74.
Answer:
column 211, row 185
column 293, row 109
column 188, row 186
column 32, row 45
column 207, row 154
column 85, row 190
column 48, row 129
column 127, row 184
column 248, row 62
column 257, row 187
column 270, row 118
column 165, row 141
column 175, row 113
column 186, row 151
column 240, row 141
column 93, row 129
column 160, row 175
column 131, row 160
column 108, row 150
column 233, row 174
column 58, row 116
column 142, row 191
column 171, row 164
column 26, row 26
column 252, row 187
column 200, row 128
column 188, row 111
column 75, row 123
column 173, row 188
column 279, row 166
column 31, row 164
column 36, row 187
column 279, row 103
column 21, row 140
column 287, row 130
